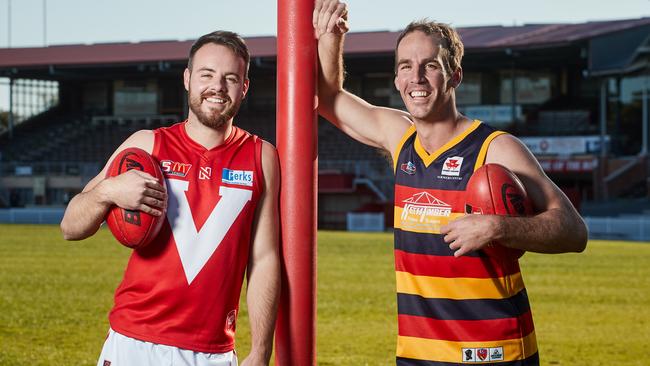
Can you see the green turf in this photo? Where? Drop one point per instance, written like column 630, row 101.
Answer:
column 590, row 309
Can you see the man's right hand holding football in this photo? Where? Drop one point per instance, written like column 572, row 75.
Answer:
column 134, row 190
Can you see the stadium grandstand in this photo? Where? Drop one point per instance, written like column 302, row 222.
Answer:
column 576, row 94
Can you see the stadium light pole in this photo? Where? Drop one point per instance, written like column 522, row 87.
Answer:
column 9, row 24
column 296, row 132
column 44, row 23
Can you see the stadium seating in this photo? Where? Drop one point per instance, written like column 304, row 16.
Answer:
column 74, row 138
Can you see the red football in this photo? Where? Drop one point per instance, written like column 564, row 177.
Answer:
column 134, row 229
column 495, row 190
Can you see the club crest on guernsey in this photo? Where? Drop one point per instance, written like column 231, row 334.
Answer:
column 408, row 168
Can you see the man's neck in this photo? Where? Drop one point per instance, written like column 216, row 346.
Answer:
column 433, row 133
column 206, row 136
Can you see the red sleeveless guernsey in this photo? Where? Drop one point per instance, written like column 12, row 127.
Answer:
column 183, row 289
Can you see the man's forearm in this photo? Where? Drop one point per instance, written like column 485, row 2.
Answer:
column 84, row 215
column 330, row 54
column 262, row 299
column 553, row 231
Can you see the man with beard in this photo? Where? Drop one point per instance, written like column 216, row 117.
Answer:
column 178, row 301
column 460, row 298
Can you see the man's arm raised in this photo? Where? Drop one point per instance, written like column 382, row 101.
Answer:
column 133, row 190
column 264, row 264
column 372, row 125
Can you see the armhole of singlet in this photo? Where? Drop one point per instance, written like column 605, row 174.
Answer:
column 156, row 143
column 482, row 154
column 258, row 164
column 399, row 147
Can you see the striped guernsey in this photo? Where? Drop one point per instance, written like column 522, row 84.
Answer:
column 468, row 310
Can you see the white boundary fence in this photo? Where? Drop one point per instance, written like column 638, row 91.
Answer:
column 358, row 221
column 31, row 215
column 635, row 228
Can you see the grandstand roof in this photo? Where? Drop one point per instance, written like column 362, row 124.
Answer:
column 474, row 38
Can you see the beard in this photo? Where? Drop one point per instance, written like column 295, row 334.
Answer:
column 214, row 119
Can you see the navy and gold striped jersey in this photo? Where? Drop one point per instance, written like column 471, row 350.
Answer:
column 468, row 310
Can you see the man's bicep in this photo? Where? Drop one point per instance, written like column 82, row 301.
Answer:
column 367, row 123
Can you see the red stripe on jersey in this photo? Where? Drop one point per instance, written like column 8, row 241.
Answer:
column 466, row 330
column 452, row 267
column 455, row 199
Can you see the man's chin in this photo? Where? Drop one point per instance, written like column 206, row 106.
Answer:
column 419, row 113
column 214, row 123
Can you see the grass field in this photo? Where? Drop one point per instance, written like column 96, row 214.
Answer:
column 590, row 309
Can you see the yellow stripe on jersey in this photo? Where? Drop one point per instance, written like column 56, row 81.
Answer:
column 428, row 159
column 406, row 136
column 459, row 288
column 480, row 159
column 447, row 351
column 422, row 219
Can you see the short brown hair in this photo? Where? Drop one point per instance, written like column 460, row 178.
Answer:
column 224, row 38
column 449, row 40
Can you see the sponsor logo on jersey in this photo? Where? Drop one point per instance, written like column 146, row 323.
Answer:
column 424, row 212
column 408, row 168
column 481, row 355
column 239, row 177
column 107, row 363
column 205, row 172
column 451, row 166
column 468, row 355
column 496, row 354
column 175, row 168
column 422, row 206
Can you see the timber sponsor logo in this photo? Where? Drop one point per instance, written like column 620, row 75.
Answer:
column 423, row 211
column 482, row 355
column 174, row 168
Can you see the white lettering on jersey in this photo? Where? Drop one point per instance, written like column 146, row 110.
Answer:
column 194, row 246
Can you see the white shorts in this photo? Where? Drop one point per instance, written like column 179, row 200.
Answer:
column 120, row 350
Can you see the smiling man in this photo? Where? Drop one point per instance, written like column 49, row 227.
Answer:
column 457, row 303
column 179, row 299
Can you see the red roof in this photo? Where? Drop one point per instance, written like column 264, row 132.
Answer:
column 474, row 38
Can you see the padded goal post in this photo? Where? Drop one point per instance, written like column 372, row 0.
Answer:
column 296, row 130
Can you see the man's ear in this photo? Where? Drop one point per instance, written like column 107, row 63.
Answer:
column 186, row 79
column 245, row 88
column 456, row 77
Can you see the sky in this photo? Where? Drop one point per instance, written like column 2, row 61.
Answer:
column 36, row 23
column 101, row 21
